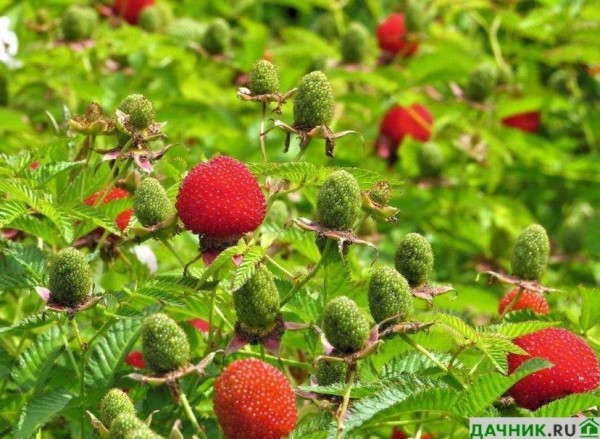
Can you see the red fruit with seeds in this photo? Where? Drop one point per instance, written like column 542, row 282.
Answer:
column 575, row 370
column 528, row 300
column 200, row 324
column 254, row 400
column 221, row 199
column 399, row 434
column 116, row 193
column 393, row 36
column 529, row 122
column 414, row 121
column 131, row 10
column 135, row 359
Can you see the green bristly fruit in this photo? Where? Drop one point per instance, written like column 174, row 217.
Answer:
column 414, row 259
column 151, row 203
column 338, row 201
column 263, row 78
column 78, row 23
column 140, row 110
column 354, row 43
column 257, row 301
column 431, row 160
column 331, row 372
column 70, row 277
column 389, row 295
column 114, row 403
column 313, row 103
column 345, row 326
column 164, row 344
column 531, row 253
column 185, row 31
column 482, row 83
column 125, row 423
column 217, row 37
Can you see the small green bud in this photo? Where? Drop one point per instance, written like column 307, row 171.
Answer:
column 482, row 83
column 389, row 295
column 151, row 203
column 140, row 110
column 314, row 102
column 331, row 372
column 431, row 159
column 257, row 301
column 217, row 37
column 344, row 325
column 381, row 193
column 70, row 277
column 164, row 344
column 278, row 212
column 78, row 22
column 114, row 403
column 414, row 259
column 264, row 78
column 326, row 27
column 338, row 201
column 186, row 30
column 531, row 253
column 354, row 43
column 125, row 423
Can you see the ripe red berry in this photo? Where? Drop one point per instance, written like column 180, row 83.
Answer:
column 399, row 434
column 221, row 199
column 393, row 36
column 116, row 193
column 528, row 300
column 136, row 359
column 200, row 324
column 254, row 400
column 529, row 122
column 414, row 121
column 575, row 370
column 131, row 10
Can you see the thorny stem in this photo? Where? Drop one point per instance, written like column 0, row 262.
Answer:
column 429, row 355
column 341, row 414
column 308, row 277
column 188, row 411
column 261, row 138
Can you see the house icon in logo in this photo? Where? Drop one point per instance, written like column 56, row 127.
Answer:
column 589, row 428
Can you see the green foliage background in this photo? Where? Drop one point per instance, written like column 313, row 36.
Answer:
column 499, row 180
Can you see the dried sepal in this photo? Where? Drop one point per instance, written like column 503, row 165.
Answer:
column 524, row 284
column 427, row 292
column 172, row 377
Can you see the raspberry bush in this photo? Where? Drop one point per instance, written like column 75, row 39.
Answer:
column 266, row 219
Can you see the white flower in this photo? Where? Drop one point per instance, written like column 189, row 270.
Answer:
column 9, row 44
column 146, row 256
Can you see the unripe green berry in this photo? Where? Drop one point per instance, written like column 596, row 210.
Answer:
column 257, row 301
column 414, row 259
column 381, row 193
column 185, row 31
column 338, row 201
column 278, row 212
column 344, row 325
column 482, row 82
column 217, row 37
column 151, row 203
column 531, row 253
column 264, row 78
column 164, row 344
column 389, row 295
column 331, row 372
column 78, row 22
column 572, row 234
column 142, row 433
column 70, row 277
column 151, row 19
column 431, row 159
column 313, row 103
column 354, row 43
column 326, row 27
column 114, row 403
column 125, row 423
column 501, row 243
column 140, row 110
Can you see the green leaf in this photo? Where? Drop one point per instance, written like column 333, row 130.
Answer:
column 109, row 352
column 487, row 388
column 223, row 258
column 252, row 257
column 514, row 330
column 11, row 210
column 413, row 362
column 296, row 172
column 590, row 308
column 569, row 405
column 21, row 266
column 462, row 333
column 32, row 321
column 40, row 410
column 34, row 365
column 313, row 427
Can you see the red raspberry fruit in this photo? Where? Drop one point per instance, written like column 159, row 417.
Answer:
column 529, row 122
column 415, row 121
column 528, row 300
column 254, row 400
column 575, row 370
column 135, row 359
column 200, row 324
column 392, row 36
column 131, row 10
column 116, row 193
column 399, row 434
column 221, row 199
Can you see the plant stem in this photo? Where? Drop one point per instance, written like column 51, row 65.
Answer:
column 308, row 277
column 261, row 138
column 211, row 318
column 77, row 333
column 512, row 303
column 189, row 412
column 69, row 352
column 272, row 359
column 341, row 413
column 169, row 247
column 279, row 267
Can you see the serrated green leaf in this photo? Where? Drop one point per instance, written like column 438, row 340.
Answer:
column 246, row 269
column 569, row 405
column 223, row 258
column 487, row 388
column 109, row 352
column 312, row 427
column 590, row 308
column 514, row 330
column 40, row 410
column 413, row 362
column 293, row 171
column 461, row 332
column 21, row 266
column 11, row 210
column 31, row 322
column 36, row 362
